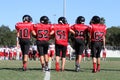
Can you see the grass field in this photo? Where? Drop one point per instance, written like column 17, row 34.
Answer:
column 11, row 70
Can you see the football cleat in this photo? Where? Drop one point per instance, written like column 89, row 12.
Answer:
column 46, row 68
column 43, row 69
column 24, row 68
column 77, row 69
column 98, row 70
column 94, row 71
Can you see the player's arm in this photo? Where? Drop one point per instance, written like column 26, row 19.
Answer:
column 104, row 38
column 104, row 41
column 52, row 32
column 17, row 34
column 89, row 36
column 33, row 33
column 73, row 32
column 87, row 39
column 71, row 29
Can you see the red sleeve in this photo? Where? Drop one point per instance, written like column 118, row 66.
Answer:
column 17, row 25
column 69, row 27
column 32, row 25
column 72, row 27
column 51, row 26
column 89, row 28
column 35, row 27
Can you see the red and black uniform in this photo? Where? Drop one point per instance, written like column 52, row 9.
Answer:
column 42, row 36
column 81, row 34
column 24, row 30
column 97, row 31
column 61, row 38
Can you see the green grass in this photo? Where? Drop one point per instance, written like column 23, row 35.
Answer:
column 11, row 70
column 109, row 70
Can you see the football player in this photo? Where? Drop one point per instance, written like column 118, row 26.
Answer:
column 24, row 30
column 97, row 35
column 81, row 34
column 42, row 31
column 61, row 31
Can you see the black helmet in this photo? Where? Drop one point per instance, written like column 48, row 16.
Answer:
column 80, row 19
column 44, row 20
column 95, row 19
column 62, row 20
column 27, row 18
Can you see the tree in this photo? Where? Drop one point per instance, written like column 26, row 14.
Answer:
column 113, row 36
column 7, row 37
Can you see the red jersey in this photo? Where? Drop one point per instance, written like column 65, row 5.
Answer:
column 97, row 31
column 61, row 33
column 43, row 31
column 81, row 31
column 24, row 29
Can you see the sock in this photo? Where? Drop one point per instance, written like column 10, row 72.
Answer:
column 98, row 66
column 94, row 66
column 57, row 66
column 43, row 65
column 56, row 63
column 24, row 64
column 46, row 63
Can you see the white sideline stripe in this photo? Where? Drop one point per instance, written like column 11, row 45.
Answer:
column 47, row 73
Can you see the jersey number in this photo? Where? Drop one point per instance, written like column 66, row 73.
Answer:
column 98, row 36
column 79, row 33
column 24, row 32
column 42, row 33
column 60, row 34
